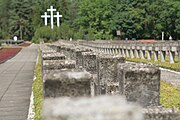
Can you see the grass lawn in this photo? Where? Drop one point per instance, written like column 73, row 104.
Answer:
column 37, row 89
column 169, row 95
column 166, row 64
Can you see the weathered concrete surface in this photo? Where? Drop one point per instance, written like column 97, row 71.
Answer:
column 107, row 70
column 45, row 49
column 16, row 77
column 137, row 82
column 78, row 55
column 53, row 56
column 98, row 108
column 140, row 83
column 89, row 62
column 71, row 83
column 58, row 64
column 160, row 113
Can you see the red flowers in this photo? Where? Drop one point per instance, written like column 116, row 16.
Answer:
column 7, row 53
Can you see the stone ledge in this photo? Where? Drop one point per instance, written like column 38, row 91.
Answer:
column 160, row 113
column 53, row 56
column 58, row 64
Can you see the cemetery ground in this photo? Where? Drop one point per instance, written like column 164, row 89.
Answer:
column 169, row 94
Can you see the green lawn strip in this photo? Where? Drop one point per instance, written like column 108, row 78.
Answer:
column 169, row 96
column 167, row 65
column 37, row 89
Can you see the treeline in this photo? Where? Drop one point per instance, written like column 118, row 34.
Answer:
column 91, row 19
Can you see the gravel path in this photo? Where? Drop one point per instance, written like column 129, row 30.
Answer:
column 170, row 76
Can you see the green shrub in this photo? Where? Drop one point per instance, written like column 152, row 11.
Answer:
column 47, row 34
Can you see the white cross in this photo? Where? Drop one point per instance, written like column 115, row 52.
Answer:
column 58, row 16
column 45, row 16
column 52, row 16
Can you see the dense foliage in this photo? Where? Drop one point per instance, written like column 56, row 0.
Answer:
column 91, row 19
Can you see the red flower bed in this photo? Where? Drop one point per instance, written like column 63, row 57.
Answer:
column 7, row 53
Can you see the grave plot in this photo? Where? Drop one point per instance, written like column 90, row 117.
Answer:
column 95, row 74
column 7, row 53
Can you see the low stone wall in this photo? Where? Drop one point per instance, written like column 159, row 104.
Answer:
column 135, row 49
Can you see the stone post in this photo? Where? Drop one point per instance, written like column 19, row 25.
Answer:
column 127, row 53
column 178, row 49
column 142, row 52
column 137, row 53
column 171, row 56
column 71, row 83
column 140, row 83
column 163, row 55
column 149, row 55
column 123, row 52
column 132, row 53
column 156, row 55
column 120, row 51
column 78, row 56
column 116, row 51
column 90, row 62
column 107, row 71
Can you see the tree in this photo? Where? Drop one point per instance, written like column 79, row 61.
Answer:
column 20, row 19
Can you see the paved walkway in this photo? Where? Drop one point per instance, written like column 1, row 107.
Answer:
column 170, row 77
column 16, row 77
